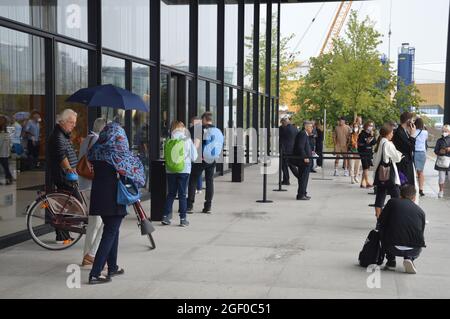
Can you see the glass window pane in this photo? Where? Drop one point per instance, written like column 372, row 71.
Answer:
column 274, row 49
column 113, row 72
column 234, row 114
column 201, row 108
column 175, row 33
column 22, row 91
column 164, row 119
column 140, row 120
column 207, row 38
column 213, row 101
column 248, row 47
column 262, row 47
column 231, row 41
column 126, row 26
column 72, row 75
column 68, row 17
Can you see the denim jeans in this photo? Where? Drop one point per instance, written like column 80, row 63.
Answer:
column 200, row 183
column 176, row 183
column 107, row 250
column 392, row 252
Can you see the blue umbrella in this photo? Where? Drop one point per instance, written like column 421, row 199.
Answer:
column 110, row 96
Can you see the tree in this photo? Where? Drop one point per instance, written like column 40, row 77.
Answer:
column 407, row 96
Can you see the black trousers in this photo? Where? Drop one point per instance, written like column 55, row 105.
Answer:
column 319, row 151
column 33, row 153
column 197, row 170
column 4, row 161
column 382, row 191
column 285, row 166
column 392, row 252
column 303, row 178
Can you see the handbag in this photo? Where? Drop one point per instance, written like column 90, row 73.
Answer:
column 84, row 167
column 385, row 170
column 127, row 191
column 443, row 161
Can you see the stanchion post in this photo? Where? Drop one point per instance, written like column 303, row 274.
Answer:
column 264, row 200
column 280, row 168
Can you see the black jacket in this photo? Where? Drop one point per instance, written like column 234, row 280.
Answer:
column 302, row 148
column 104, row 191
column 441, row 143
column 365, row 147
column 402, row 223
column 406, row 145
column 287, row 138
column 60, row 147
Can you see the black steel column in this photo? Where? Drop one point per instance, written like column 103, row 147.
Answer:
column 155, row 78
column 237, row 171
column 447, row 80
column 129, row 87
column 94, row 57
column 193, row 56
column 256, row 72
column 268, row 83
column 220, row 70
column 50, row 100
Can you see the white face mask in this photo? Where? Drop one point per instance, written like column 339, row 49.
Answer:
column 445, row 134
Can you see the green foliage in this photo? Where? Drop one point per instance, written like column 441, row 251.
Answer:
column 352, row 80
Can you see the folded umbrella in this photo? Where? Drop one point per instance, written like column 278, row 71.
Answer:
column 109, row 95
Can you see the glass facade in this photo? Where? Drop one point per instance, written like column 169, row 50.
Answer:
column 231, row 41
column 175, row 33
column 22, row 102
column 207, row 38
column 262, row 47
column 45, row 56
column 67, row 17
column 126, row 26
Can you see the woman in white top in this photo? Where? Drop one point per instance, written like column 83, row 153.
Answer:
column 5, row 149
column 386, row 150
column 95, row 225
column 420, row 153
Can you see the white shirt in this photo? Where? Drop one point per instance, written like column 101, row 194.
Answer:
column 390, row 152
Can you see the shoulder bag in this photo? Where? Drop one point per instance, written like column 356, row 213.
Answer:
column 443, row 161
column 84, row 167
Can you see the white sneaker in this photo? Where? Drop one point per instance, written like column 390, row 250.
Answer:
column 346, row 173
column 198, row 192
column 409, row 266
column 440, row 194
column 336, row 172
column 353, row 180
column 356, row 180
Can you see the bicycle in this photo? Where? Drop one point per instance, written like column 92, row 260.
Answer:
column 62, row 211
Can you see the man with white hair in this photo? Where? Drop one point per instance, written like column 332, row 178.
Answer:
column 63, row 159
column 302, row 149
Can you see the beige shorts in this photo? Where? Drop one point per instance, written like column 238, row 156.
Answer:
column 341, row 149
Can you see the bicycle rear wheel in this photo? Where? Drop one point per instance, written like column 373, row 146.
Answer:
column 49, row 218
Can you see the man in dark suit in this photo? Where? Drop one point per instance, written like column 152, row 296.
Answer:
column 288, row 132
column 302, row 149
column 402, row 225
column 405, row 142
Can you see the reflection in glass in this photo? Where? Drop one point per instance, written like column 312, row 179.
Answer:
column 248, row 47
column 164, row 120
column 201, row 108
column 68, row 17
column 140, row 120
column 262, row 47
column 113, row 72
column 175, row 33
column 126, row 26
column 213, row 101
column 22, row 104
column 231, row 41
column 207, row 38
column 72, row 75
column 274, row 57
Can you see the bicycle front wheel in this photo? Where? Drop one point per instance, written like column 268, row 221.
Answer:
column 56, row 222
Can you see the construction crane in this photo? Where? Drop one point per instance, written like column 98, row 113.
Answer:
column 336, row 25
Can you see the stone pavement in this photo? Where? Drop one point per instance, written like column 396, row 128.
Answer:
column 286, row 249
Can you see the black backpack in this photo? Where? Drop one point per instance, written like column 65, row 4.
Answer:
column 372, row 252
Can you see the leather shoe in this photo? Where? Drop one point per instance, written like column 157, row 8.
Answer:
column 303, row 198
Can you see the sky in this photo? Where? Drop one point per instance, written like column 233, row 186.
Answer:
column 421, row 23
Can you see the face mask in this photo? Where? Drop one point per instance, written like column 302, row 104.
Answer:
column 445, row 134
column 355, row 129
column 370, row 129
